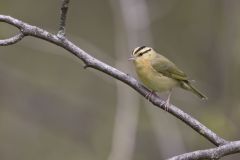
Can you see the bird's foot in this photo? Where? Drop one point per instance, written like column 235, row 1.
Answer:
column 166, row 105
column 149, row 95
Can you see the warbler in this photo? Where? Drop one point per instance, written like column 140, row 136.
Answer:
column 159, row 74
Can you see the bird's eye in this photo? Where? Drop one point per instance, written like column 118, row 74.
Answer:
column 142, row 53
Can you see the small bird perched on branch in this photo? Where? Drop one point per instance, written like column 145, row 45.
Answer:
column 160, row 74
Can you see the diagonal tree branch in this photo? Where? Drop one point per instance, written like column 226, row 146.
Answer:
column 29, row 30
column 213, row 153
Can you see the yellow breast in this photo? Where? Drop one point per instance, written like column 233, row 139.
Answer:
column 153, row 79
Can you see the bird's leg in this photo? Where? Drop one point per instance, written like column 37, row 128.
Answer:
column 167, row 103
column 149, row 95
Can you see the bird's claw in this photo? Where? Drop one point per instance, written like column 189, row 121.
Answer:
column 166, row 105
column 149, row 95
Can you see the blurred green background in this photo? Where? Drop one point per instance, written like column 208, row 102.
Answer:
column 53, row 109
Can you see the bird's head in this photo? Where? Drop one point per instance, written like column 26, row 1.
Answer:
column 142, row 53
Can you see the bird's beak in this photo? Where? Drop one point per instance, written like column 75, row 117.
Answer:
column 131, row 59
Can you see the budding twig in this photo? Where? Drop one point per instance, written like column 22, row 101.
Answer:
column 63, row 17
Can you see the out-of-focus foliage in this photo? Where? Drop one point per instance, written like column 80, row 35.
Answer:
column 53, row 109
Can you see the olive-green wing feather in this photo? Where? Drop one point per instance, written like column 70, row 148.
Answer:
column 164, row 66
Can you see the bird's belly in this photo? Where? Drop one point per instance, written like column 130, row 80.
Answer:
column 156, row 81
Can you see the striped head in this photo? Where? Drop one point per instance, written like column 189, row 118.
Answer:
column 140, row 51
column 142, row 55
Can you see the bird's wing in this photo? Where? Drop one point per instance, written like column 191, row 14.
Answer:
column 164, row 66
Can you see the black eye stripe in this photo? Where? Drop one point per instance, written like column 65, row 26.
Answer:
column 140, row 54
column 139, row 49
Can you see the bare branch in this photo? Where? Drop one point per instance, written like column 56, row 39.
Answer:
column 213, row 153
column 95, row 63
column 12, row 40
column 195, row 124
column 64, row 9
column 12, row 21
column 99, row 65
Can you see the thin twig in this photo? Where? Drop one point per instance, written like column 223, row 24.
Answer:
column 29, row 30
column 63, row 17
column 213, row 153
column 12, row 40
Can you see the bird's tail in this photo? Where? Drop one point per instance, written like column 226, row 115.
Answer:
column 187, row 85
